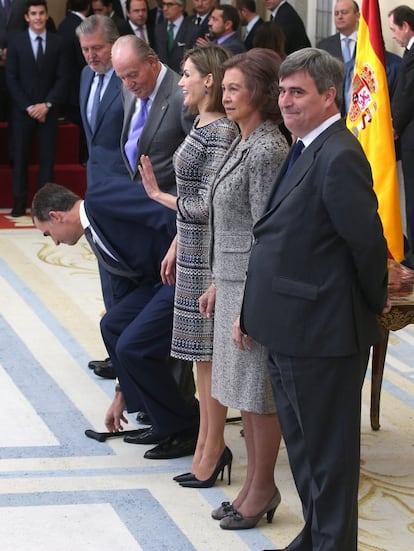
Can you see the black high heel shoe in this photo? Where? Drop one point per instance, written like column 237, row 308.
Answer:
column 225, row 460
column 184, row 476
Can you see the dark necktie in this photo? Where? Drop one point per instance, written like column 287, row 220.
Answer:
column 198, row 20
column 160, row 15
column 170, row 33
column 137, row 124
column 96, row 101
column 272, row 17
column 296, row 151
column 40, row 54
column 406, row 52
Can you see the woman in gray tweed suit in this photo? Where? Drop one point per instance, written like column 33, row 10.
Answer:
column 238, row 197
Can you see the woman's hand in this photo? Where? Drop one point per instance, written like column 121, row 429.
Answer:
column 207, row 302
column 168, row 264
column 115, row 414
column 148, row 178
column 241, row 340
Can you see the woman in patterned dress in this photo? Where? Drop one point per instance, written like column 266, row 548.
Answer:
column 239, row 196
column 186, row 264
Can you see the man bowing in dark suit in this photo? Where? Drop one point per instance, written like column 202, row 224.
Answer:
column 137, row 329
column 36, row 76
column 316, row 280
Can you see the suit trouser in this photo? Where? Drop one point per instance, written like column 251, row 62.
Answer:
column 137, row 333
column 318, row 402
column 24, row 130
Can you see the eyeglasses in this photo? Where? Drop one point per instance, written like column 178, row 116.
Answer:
column 169, row 4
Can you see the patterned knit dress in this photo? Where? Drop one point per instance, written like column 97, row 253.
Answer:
column 196, row 162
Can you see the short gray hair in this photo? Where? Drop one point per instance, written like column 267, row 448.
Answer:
column 138, row 46
column 326, row 71
column 94, row 23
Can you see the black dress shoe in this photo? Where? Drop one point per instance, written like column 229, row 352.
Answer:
column 19, row 209
column 143, row 418
column 172, row 447
column 107, row 372
column 93, row 364
column 145, row 436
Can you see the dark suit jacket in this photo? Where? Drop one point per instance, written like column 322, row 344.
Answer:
column 166, row 127
column 13, row 22
column 317, row 275
column 105, row 157
column 332, row 45
column 293, row 27
column 248, row 41
column 121, row 25
column 402, row 105
column 203, row 28
column 26, row 83
column 76, row 61
column 186, row 36
column 150, row 31
column 234, row 44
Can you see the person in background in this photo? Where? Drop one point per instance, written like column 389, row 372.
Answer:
column 105, row 7
column 174, row 35
column 37, row 79
column 202, row 11
column 401, row 22
column 196, row 163
column 270, row 35
column 223, row 26
column 249, row 19
column 282, row 13
column 316, row 281
column 139, row 20
column 238, row 198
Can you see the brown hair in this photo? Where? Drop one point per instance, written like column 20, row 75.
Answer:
column 260, row 68
column 209, row 60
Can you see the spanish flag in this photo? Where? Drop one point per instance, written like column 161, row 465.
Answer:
column 369, row 118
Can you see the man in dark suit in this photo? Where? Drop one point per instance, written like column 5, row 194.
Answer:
column 79, row 9
column 249, row 19
column 287, row 17
column 202, row 11
column 139, row 20
column 105, row 7
column 223, row 25
column 137, row 329
column 401, row 22
column 316, row 280
column 343, row 45
column 102, row 125
column 174, row 35
column 37, row 80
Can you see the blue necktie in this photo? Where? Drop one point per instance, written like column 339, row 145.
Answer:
column 137, row 124
column 96, row 101
column 347, row 49
column 296, row 151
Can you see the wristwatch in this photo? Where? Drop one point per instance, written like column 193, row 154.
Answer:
column 48, row 105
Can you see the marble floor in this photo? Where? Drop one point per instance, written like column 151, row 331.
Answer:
column 61, row 491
